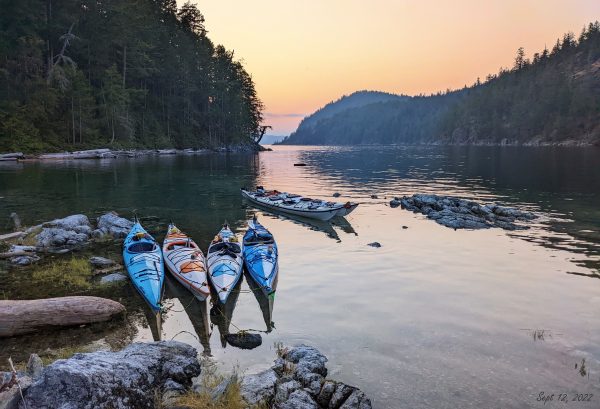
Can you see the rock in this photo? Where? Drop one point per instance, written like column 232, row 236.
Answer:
column 124, row 379
column 374, row 244
column 24, row 260
column 458, row 213
column 221, row 388
column 307, row 357
column 111, row 223
column 16, row 220
column 395, row 202
column 336, row 194
column 113, row 278
column 326, row 393
column 58, row 237
column 101, row 261
column 342, row 392
column 405, row 227
column 283, row 390
column 35, row 366
column 296, row 380
column 25, row 316
column 299, row 399
column 244, row 340
column 77, row 222
column 259, row 387
column 374, row 197
column 356, row 400
column 11, row 397
column 171, row 391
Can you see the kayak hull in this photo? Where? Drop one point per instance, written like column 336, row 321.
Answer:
column 144, row 263
column 261, row 257
column 225, row 263
column 186, row 262
column 324, row 214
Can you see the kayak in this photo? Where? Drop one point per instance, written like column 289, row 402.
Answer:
column 260, row 256
column 225, row 262
column 298, row 205
column 144, row 263
column 186, row 262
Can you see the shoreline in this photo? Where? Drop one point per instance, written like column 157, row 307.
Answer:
column 107, row 153
column 563, row 144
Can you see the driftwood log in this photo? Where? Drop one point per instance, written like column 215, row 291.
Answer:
column 10, row 236
column 26, row 316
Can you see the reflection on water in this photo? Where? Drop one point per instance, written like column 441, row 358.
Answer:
column 433, row 318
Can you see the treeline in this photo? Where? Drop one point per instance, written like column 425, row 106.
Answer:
column 121, row 73
column 554, row 98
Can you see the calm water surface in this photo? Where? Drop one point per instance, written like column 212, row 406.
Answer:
column 434, row 318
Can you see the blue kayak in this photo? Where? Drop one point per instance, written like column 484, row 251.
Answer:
column 260, row 256
column 144, row 262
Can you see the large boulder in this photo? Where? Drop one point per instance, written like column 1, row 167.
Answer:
column 70, row 231
column 111, row 224
column 117, row 380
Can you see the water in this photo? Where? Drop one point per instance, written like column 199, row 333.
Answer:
column 433, row 318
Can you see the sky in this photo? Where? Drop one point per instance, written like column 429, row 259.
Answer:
column 303, row 54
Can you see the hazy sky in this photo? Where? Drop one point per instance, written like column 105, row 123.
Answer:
column 305, row 53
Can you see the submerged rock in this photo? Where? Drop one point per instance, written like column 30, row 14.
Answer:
column 113, row 278
column 124, row 379
column 458, row 213
column 244, row 340
column 97, row 261
column 24, row 260
column 110, row 223
column 374, row 244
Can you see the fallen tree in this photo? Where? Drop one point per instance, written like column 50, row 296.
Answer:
column 25, row 316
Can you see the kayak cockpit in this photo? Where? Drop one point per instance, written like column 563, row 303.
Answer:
column 232, row 247
column 142, row 247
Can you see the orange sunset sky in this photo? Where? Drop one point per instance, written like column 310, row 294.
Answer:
column 303, row 54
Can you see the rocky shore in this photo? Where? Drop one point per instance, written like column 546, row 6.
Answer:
column 63, row 235
column 106, row 153
column 158, row 374
column 458, row 213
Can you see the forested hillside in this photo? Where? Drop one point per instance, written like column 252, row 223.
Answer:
column 552, row 98
column 130, row 73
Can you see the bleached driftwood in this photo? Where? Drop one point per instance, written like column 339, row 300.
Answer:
column 26, row 316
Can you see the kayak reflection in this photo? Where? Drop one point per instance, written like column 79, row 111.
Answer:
column 326, row 227
column 196, row 310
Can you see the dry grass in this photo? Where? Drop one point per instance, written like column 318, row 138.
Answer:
column 73, row 273
column 231, row 399
column 64, row 353
column 30, row 239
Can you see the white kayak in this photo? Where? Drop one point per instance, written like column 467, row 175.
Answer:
column 225, row 262
column 186, row 262
column 298, row 205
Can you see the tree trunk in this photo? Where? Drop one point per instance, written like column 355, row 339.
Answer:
column 73, row 118
column 25, row 316
column 80, row 131
column 124, row 64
